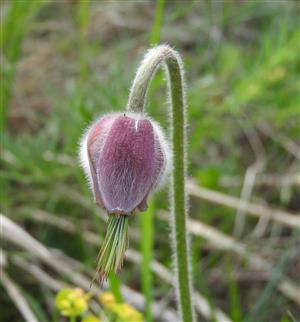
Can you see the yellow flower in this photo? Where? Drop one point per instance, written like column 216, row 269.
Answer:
column 124, row 311
column 90, row 318
column 107, row 299
column 127, row 313
column 71, row 302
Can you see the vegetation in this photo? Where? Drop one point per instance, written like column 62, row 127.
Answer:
column 63, row 63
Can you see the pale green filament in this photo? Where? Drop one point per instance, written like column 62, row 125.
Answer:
column 114, row 246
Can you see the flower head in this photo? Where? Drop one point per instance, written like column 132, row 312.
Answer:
column 124, row 311
column 125, row 158
column 107, row 299
column 71, row 302
column 127, row 313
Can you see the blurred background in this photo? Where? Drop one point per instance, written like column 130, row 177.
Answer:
column 63, row 63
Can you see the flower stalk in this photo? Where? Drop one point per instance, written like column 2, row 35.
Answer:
column 157, row 56
column 125, row 157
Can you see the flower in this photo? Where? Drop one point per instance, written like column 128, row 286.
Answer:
column 124, row 311
column 107, row 299
column 127, row 313
column 71, row 302
column 125, row 157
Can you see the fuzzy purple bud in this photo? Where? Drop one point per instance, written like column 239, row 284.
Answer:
column 125, row 158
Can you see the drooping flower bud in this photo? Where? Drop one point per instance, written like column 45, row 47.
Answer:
column 125, row 157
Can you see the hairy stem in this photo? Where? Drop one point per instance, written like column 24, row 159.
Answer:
column 153, row 60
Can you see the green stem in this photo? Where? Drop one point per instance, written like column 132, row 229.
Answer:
column 153, row 60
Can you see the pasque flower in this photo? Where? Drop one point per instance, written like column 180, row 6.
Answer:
column 125, row 158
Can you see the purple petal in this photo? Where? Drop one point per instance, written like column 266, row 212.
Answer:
column 128, row 165
column 95, row 142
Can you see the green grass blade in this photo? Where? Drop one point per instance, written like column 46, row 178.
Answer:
column 146, row 226
column 83, row 20
column 147, row 218
column 12, row 31
column 155, row 33
column 263, row 302
column 115, row 286
column 234, row 294
column 35, row 306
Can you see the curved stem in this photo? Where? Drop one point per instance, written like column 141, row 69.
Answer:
column 137, row 98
